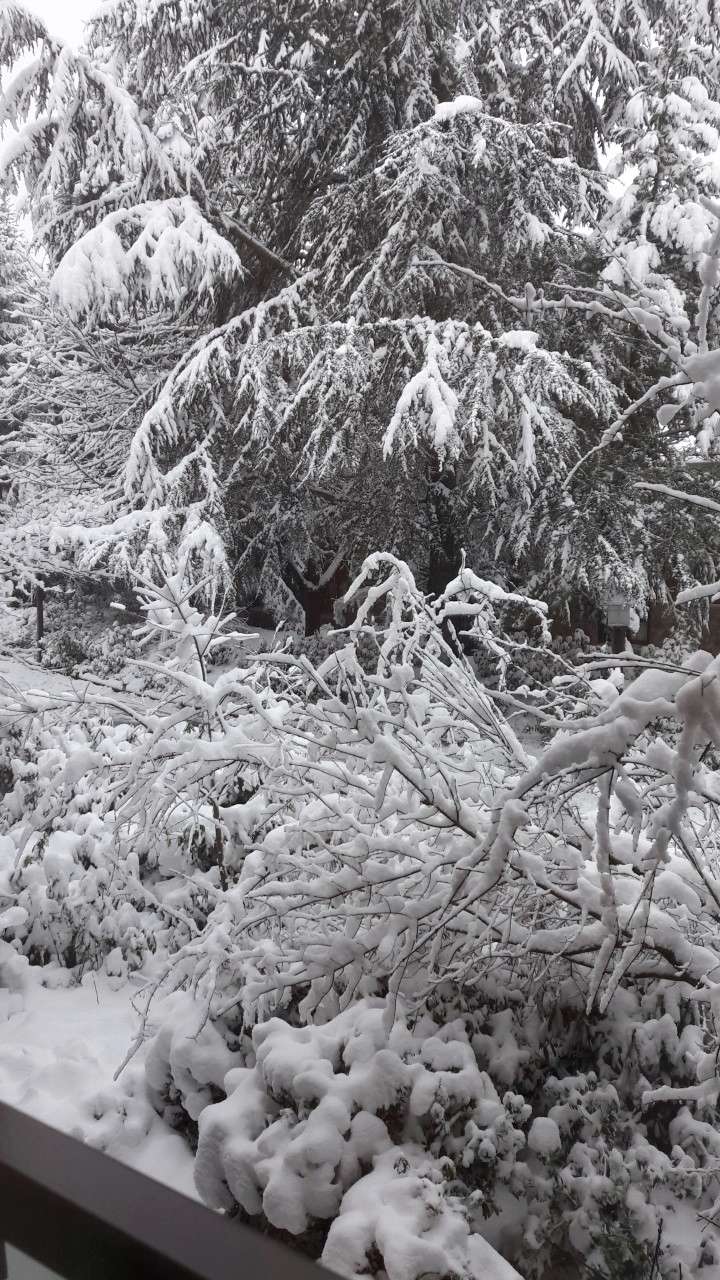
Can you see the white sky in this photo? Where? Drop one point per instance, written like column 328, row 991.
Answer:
column 64, row 17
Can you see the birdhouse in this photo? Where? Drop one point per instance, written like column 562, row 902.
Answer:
column 619, row 612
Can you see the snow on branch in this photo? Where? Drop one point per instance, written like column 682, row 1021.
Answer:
column 398, row 828
column 429, row 402
column 155, row 255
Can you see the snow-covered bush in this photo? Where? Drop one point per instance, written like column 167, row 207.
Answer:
column 82, row 881
column 386, row 785
column 66, row 650
column 186, row 1065
column 409, row 777
column 334, row 1117
column 110, row 653
column 612, row 1180
column 76, row 891
column 279, row 748
column 106, row 654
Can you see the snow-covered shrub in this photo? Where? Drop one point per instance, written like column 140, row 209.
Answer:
column 335, row 797
column 390, row 779
column 111, row 651
column 400, row 842
column 106, row 654
column 335, row 1116
column 543, row 667
column 68, row 865
column 676, row 647
column 382, row 840
column 114, row 838
column 614, row 1177
column 350, row 1138
column 77, row 898
column 291, row 742
column 66, row 650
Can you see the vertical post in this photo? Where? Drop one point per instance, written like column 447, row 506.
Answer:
column 617, row 639
column 40, row 617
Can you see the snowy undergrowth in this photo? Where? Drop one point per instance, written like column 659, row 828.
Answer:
column 405, row 987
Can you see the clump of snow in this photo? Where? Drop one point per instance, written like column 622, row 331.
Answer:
column 519, row 340
column 427, row 401
column 464, row 104
column 158, row 253
column 544, row 1136
column 187, row 1061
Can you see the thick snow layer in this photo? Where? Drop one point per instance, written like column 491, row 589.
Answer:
column 174, row 251
column 397, row 1209
column 336, row 1161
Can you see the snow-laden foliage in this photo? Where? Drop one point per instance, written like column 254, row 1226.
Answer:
column 78, row 132
column 362, row 1100
column 413, row 835
column 414, row 1142
column 75, row 398
column 77, row 892
column 16, row 286
column 405, row 185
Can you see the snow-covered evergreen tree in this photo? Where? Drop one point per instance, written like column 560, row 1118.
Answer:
column 386, row 238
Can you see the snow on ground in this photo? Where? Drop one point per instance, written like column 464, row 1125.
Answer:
column 24, row 674
column 58, row 1053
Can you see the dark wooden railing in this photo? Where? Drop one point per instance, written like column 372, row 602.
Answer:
column 88, row 1217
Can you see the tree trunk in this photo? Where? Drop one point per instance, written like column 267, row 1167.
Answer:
column 317, row 602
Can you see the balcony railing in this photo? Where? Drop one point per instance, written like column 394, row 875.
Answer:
column 85, row 1216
